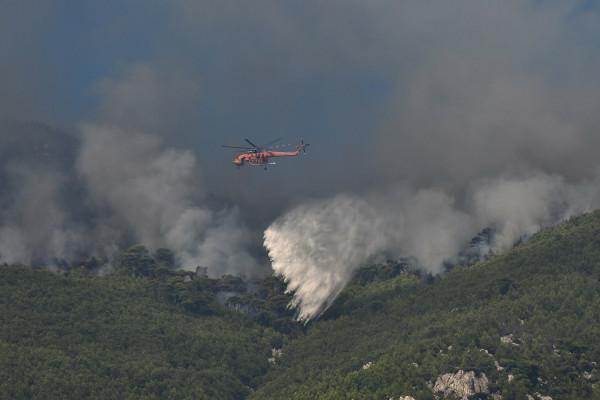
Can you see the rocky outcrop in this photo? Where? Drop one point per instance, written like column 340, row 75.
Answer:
column 276, row 354
column 462, row 384
column 538, row 396
column 510, row 339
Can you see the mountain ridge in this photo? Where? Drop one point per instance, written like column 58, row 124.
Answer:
column 527, row 319
column 544, row 292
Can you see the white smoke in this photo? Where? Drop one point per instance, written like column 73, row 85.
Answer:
column 33, row 225
column 317, row 247
column 155, row 193
column 516, row 206
column 444, row 107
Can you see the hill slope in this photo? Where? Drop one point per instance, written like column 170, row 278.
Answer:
column 123, row 337
column 528, row 319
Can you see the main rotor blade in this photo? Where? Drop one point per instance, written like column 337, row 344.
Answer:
column 271, row 142
column 252, row 144
column 237, row 147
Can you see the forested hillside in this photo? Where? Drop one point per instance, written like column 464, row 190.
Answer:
column 140, row 332
column 528, row 319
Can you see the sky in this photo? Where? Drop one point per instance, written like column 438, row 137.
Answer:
column 428, row 122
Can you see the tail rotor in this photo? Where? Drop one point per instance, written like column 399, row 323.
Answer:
column 304, row 146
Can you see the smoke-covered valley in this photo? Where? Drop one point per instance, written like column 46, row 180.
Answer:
column 428, row 123
column 111, row 189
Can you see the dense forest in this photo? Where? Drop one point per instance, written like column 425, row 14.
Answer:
column 529, row 319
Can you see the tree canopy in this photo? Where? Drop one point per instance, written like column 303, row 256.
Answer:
column 528, row 319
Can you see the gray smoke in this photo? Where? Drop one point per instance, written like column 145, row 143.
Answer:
column 155, row 192
column 63, row 199
column 33, row 223
column 318, row 246
column 40, row 204
column 428, row 122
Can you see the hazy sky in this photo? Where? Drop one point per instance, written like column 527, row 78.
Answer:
column 378, row 86
column 460, row 98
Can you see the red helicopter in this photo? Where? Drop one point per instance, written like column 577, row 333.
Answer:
column 257, row 156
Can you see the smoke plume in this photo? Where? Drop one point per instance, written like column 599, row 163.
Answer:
column 129, row 187
column 428, row 122
column 155, row 193
column 33, row 223
column 318, row 246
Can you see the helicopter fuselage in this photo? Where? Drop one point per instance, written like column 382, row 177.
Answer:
column 258, row 156
column 261, row 158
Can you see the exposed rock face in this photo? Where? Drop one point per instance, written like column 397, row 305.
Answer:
column 510, row 339
column 538, row 396
column 276, row 353
column 462, row 384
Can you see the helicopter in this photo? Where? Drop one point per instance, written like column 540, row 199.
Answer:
column 259, row 156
